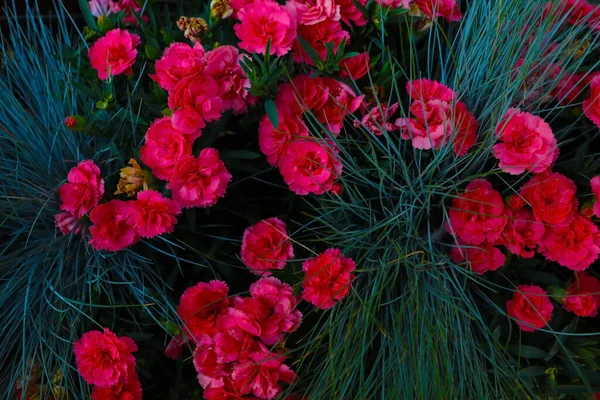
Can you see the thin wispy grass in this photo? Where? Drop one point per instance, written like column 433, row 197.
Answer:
column 416, row 325
column 54, row 287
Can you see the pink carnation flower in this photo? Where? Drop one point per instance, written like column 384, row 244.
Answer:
column 114, row 54
column 195, row 101
column 125, row 389
column 341, row 101
column 237, row 334
column 266, row 246
column 479, row 259
column 223, row 65
column 84, row 189
column 350, row 14
column 591, row 105
column 310, row 12
column 199, row 181
column 583, row 296
column 552, row 198
column 200, row 306
column 275, row 309
column 263, row 21
column 595, row 182
column 179, row 60
column 434, row 9
column 316, row 36
column 575, row 245
column 67, row 222
column 164, row 146
column 374, row 121
column 355, row 67
column 477, row 215
column 210, row 371
column 261, row 375
column 274, row 142
column 527, row 143
column 327, row 278
column 439, row 118
column 522, row 232
column 153, row 214
column 530, row 307
column 103, row 8
column 310, row 167
column 103, row 358
column 111, row 229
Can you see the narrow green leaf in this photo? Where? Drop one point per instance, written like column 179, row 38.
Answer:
column 527, row 351
column 532, row 371
column 240, row 154
column 87, row 14
column 312, row 53
column 271, row 111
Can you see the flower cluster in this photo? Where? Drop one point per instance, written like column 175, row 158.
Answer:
column 232, row 337
column 106, row 361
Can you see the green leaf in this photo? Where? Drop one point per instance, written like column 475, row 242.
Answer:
column 531, row 372
column 87, row 14
column 312, row 53
column 151, row 52
column 271, row 111
column 527, row 351
column 573, row 389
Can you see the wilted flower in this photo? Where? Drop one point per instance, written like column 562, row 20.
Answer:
column 220, row 9
column 192, row 27
column 132, row 179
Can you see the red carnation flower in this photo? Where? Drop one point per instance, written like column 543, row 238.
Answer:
column 583, row 296
column 129, row 389
column 522, row 232
column 200, row 306
column 84, row 189
column 479, row 259
column 111, row 229
column 103, row 358
column 530, row 307
column 266, row 246
column 327, row 278
column 152, row 214
column 477, row 215
column 552, row 197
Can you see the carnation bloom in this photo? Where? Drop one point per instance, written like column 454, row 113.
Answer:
column 310, row 166
column 374, row 121
column 350, row 14
column 595, row 183
column 199, row 181
column 310, row 12
column 527, row 143
column 237, row 334
column 103, row 8
column 327, row 278
column 266, row 21
column 552, row 197
column 574, row 245
column 434, row 9
column 66, row 222
column 223, row 65
column 340, row 102
column 164, row 146
column 591, row 105
column 103, row 358
column 114, row 53
column 261, row 374
column 125, row 389
column 477, row 215
column 583, row 296
column 210, row 371
column 153, row 214
column 316, row 36
column 266, row 246
column 195, row 101
column 522, row 232
column 200, row 306
column 274, row 142
column 530, row 307
column 84, row 189
column 111, row 229
column 580, row 12
column 275, row 309
column 479, row 259
column 439, row 118
column 179, row 60
column 355, row 67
